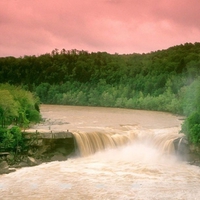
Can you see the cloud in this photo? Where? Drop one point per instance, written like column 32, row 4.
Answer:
column 35, row 27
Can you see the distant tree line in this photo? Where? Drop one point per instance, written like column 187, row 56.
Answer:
column 165, row 80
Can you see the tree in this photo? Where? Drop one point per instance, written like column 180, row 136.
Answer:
column 18, row 105
column 8, row 107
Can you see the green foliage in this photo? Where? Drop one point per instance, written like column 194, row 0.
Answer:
column 8, row 107
column 8, row 140
column 191, row 127
column 17, row 106
column 12, row 139
column 191, row 99
column 42, row 91
column 191, row 103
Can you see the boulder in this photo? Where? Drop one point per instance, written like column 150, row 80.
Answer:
column 10, row 158
column 31, row 161
column 4, row 167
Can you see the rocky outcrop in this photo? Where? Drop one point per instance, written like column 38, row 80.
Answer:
column 187, row 151
column 181, row 146
column 4, row 168
column 194, row 154
column 44, row 144
column 31, row 161
column 41, row 147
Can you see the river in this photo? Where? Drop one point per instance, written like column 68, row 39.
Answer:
column 144, row 168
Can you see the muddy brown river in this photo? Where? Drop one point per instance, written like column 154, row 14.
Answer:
column 145, row 167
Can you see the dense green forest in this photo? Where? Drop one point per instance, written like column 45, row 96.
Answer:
column 164, row 80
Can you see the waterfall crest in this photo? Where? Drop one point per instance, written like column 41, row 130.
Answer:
column 92, row 142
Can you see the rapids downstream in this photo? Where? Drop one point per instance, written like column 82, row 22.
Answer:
column 123, row 154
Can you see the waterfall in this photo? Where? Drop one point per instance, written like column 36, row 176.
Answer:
column 89, row 143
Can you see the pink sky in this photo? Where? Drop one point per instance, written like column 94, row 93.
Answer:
column 34, row 27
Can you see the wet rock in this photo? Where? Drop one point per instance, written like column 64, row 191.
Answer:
column 11, row 170
column 10, row 158
column 3, row 155
column 22, row 164
column 62, row 150
column 30, row 152
column 39, row 142
column 187, row 151
column 181, row 146
column 4, row 167
column 58, row 157
column 31, row 161
column 194, row 156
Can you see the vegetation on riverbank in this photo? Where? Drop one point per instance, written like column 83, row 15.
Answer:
column 165, row 80
column 18, row 108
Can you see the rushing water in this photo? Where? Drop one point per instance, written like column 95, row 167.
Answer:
column 126, row 154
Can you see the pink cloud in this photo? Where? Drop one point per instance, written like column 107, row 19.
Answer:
column 36, row 27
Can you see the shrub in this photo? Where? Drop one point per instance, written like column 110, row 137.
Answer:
column 13, row 139
column 191, row 127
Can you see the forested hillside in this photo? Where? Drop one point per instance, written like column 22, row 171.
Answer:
column 166, row 80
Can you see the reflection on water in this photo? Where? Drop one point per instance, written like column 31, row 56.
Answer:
column 144, row 168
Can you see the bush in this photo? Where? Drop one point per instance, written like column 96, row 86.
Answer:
column 191, row 127
column 17, row 106
column 13, row 140
column 191, row 107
